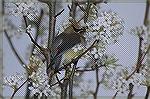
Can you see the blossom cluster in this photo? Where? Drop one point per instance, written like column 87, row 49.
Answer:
column 34, row 63
column 106, row 28
column 14, row 81
column 38, row 77
column 86, row 88
column 146, row 72
column 141, row 31
column 26, row 8
column 92, row 12
column 120, row 84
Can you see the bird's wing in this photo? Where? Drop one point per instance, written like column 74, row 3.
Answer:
column 56, row 42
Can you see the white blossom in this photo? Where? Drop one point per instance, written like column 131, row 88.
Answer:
column 121, row 84
column 108, row 25
column 40, row 81
column 96, row 56
column 26, row 8
column 86, row 87
column 29, row 29
column 77, row 48
column 14, row 81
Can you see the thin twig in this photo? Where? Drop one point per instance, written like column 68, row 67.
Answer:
column 18, row 89
column 147, row 92
column 69, row 8
column 146, row 12
column 97, row 83
column 13, row 49
column 146, row 21
column 65, row 85
column 3, row 7
column 92, row 1
column 147, row 51
column 33, row 41
column 51, row 5
column 37, row 29
column 83, row 10
column 51, row 33
column 130, row 95
column 73, row 9
column 115, row 95
column 86, row 15
column 44, row 51
column 80, row 19
column 57, row 82
column 71, row 81
column 59, row 13
column 77, row 58
column 37, row 24
column 139, row 54
column 137, row 67
column 88, row 69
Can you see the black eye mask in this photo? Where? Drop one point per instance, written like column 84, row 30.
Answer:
column 79, row 30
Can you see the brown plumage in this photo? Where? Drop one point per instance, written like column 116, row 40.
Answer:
column 70, row 37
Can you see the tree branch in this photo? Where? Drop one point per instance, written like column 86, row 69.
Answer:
column 130, row 95
column 57, row 82
column 13, row 49
column 147, row 92
column 37, row 24
column 92, row 1
column 146, row 23
column 73, row 9
column 138, row 67
column 65, row 85
column 59, row 13
column 115, row 95
column 44, row 51
column 15, row 91
column 146, row 13
column 139, row 54
column 82, row 9
column 77, row 58
column 71, row 80
column 88, row 69
column 51, row 34
column 97, row 83
column 33, row 41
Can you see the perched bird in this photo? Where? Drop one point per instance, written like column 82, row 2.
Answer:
column 70, row 37
column 66, row 41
